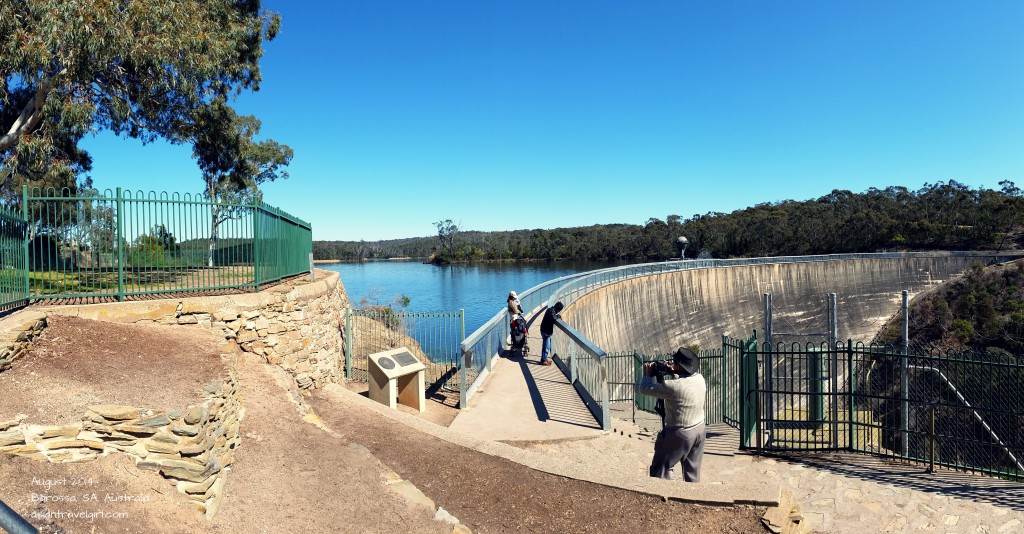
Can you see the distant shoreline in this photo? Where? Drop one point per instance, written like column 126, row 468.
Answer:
column 365, row 260
column 461, row 262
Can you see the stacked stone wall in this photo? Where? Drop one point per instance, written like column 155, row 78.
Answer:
column 297, row 325
column 193, row 448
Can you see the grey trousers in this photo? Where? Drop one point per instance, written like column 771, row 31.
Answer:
column 675, row 445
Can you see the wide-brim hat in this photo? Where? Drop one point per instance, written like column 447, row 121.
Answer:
column 687, row 361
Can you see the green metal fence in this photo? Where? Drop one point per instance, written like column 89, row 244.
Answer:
column 432, row 336
column 625, row 370
column 120, row 244
column 962, row 410
column 13, row 274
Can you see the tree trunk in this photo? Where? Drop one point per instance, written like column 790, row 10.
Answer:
column 214, row 227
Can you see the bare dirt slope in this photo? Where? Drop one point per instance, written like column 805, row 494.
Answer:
column 287, row 476
column 290, row 476
column 490, row 494
column 78, row 362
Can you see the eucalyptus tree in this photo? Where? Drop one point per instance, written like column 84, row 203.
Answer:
column 142, row 69
column 234, row 165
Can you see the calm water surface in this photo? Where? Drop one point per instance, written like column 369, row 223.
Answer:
column 480, row 289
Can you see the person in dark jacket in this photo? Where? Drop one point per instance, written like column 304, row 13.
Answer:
column 547, row 329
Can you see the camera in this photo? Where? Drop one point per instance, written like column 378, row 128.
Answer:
column 659, row 368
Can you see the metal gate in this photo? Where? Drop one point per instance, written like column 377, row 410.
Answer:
column 799, row 397
column 14, row 288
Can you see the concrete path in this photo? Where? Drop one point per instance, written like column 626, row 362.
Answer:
column 595, row 467
column 837, row 493
column 524, row 401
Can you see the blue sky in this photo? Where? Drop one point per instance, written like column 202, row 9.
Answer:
column 526, row 114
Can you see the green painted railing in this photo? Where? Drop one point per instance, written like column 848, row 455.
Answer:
column 13, row 279
column 120, row 244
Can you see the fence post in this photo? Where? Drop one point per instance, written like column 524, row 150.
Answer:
column 119, row 213
column 256, row 245
column 905, row 375
column 25, row 240
column 348, row 343
column 931, row 440
column 606, row 404
column 851, row 435
column 463, row 386
column 573, row 373
column 725, row 380
column 462, row 325
column 833, row 348
column 463, row 379
column 769, row 371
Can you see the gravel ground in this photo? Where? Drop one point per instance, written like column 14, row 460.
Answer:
column 490, row 494
column 109, row 495
column 78, row 362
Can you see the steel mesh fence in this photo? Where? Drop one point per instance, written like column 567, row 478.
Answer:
column 433, row 337
column 119, row 244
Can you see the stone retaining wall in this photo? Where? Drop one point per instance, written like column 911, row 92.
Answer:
column 297, row 325
column 194, row 448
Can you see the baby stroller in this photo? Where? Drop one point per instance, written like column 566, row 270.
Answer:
column 518, row 328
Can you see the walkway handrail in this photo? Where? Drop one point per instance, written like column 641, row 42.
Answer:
column 572, row 289
column 583, row 363
column 481, row 347
column 12, row 522
column 586, row 344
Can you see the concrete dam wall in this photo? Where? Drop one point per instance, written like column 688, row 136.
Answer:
column 658, row 312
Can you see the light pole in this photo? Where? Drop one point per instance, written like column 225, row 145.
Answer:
column 681, row 243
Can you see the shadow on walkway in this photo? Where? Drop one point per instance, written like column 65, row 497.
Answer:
column 553, row 397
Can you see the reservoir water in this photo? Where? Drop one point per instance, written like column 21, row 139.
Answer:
column 479, row 289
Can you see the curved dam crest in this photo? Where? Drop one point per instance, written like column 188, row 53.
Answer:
column 657, row 313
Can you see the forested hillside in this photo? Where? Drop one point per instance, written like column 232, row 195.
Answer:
column 982, row 310
column 945, row 215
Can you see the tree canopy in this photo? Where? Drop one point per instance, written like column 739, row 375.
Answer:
column 939, row 216
column 142, row 69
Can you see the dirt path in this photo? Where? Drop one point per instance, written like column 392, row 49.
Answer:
column 78, row 362
column 490, row 494
column 290, row 476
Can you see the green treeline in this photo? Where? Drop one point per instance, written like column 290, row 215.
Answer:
column 945, row 215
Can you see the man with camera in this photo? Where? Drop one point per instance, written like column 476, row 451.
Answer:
column 680, row 389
